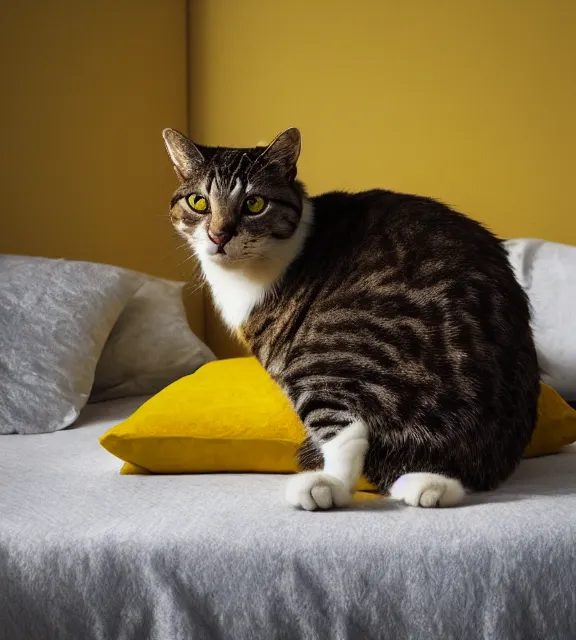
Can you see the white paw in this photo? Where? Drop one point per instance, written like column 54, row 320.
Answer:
column 317, row 490
column 427, row 490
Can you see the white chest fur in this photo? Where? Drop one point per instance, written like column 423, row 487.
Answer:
column 234, row 294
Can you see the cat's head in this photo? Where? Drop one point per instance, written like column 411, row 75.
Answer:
column 238, row 207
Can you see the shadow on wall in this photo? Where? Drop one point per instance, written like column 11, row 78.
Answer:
column 86, row 90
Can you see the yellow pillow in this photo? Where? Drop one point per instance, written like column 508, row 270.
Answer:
column 231, row 416
column 556, row 426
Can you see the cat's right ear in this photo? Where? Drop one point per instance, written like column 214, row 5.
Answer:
column 184, row 154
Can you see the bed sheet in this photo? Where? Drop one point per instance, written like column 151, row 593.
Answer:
column 86, row 553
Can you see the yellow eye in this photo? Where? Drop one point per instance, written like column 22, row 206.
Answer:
column 198, row 203
column 255, row 204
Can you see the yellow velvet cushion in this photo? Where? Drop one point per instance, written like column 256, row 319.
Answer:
column 231, row 416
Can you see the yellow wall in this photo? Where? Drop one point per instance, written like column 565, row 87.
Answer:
column 472, row 102
column 86, row 89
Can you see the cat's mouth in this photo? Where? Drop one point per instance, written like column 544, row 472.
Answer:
column 216, row 251
column 220, row 254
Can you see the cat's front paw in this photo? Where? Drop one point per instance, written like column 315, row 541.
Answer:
column 317, row 490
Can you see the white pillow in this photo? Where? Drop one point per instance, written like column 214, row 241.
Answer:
column 547, row 272
column 55, row 317
column 151, row 345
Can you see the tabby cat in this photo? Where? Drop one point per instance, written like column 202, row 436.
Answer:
column 393, row 324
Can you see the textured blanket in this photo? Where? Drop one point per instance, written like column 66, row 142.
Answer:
column 86, row 553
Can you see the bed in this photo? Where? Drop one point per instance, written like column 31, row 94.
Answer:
column 86, row 553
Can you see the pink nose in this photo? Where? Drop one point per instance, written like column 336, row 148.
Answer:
column 221, row 238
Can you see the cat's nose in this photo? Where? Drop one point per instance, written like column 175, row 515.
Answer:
column 221, row 238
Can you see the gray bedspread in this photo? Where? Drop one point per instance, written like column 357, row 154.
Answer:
column 86, row 553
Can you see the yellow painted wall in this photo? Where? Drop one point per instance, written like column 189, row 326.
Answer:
column 472, row 102
column 86, row 88
column 469, row 101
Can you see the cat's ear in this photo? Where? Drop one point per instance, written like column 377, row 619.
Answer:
column 184, row 154
column 283, row 152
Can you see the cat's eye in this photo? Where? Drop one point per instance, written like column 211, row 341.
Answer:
column 254, row 204
column 197, row 203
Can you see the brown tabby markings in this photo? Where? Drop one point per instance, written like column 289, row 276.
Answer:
column 395, row 311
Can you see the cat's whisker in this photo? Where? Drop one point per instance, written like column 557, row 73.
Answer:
column 189, row 293
column 189, row 257
column 173, row 250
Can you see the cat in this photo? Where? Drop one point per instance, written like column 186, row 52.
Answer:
column 394, row 324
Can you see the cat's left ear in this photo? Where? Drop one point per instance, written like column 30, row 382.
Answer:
column 184, row 154
column 283, row 152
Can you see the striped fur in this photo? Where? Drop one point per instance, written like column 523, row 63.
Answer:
column 391, row 311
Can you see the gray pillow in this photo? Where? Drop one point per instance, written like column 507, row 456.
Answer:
column 55, row 318
column 150, row 346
